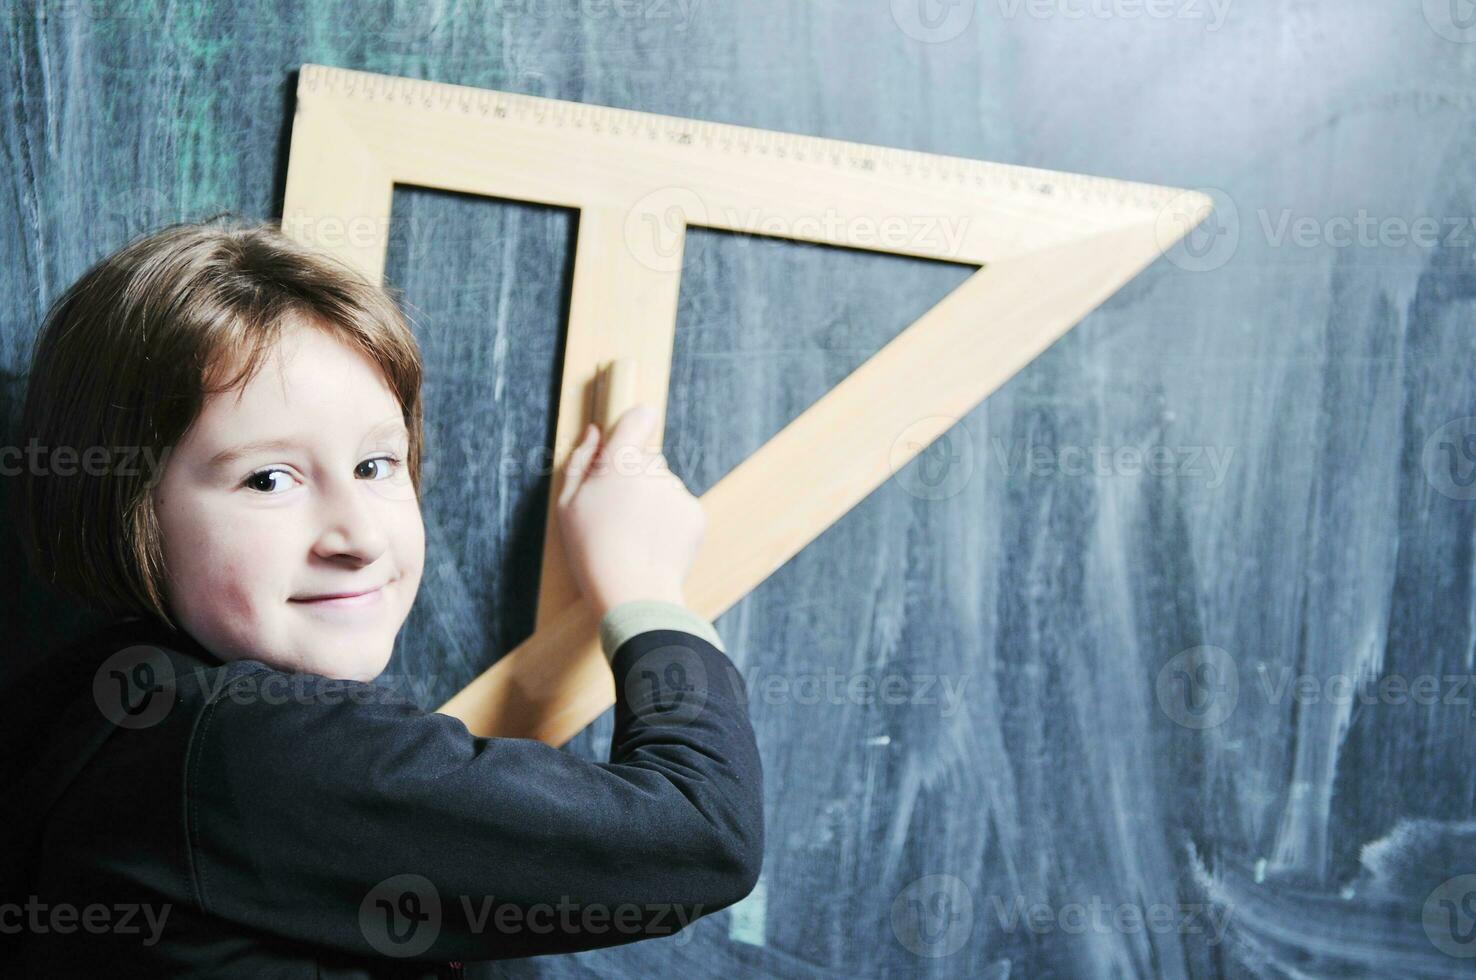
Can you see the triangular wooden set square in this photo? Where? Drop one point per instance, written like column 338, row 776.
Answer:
column 1051, row 247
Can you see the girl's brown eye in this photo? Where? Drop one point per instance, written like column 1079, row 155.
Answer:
column 261, row 481
column 254, row 480
column 393, row 464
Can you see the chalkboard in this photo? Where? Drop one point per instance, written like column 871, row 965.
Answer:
column 1158, row 664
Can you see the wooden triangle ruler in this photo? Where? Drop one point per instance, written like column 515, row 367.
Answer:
column 1051, row 247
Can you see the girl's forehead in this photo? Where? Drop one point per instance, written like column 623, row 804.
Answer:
column 311, row 361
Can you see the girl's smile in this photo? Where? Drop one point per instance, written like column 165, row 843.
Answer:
column 291, row 529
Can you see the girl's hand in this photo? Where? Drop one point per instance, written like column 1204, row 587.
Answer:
column 631, row 528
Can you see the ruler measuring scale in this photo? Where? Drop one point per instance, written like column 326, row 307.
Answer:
column 1051, row 247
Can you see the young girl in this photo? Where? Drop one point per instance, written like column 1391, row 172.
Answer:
column 225, row 432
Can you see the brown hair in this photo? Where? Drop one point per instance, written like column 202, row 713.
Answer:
column 125, row 360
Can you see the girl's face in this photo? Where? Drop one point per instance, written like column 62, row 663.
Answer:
column 253, row 532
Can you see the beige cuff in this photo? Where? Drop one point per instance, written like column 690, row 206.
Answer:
column 639, row 615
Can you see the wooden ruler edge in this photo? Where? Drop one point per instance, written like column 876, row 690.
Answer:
column 905, row 164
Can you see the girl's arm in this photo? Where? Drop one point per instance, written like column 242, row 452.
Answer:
column 380, row 829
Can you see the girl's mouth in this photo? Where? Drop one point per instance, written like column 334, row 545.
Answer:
column 341, row 601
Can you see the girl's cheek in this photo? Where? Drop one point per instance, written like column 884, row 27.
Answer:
column 231, row 587
column 241, row 600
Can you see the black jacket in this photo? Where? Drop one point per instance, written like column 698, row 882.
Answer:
column 173, row 815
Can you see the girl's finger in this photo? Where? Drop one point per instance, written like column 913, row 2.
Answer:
column 574, row 471
column 634, row 426
column 578, row 463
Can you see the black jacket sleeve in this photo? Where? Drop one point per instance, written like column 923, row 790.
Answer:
column 343, row 815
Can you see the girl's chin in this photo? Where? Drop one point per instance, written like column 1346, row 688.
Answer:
column 348, row 659
column 356, row 664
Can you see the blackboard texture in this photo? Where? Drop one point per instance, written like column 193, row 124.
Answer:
column 1158, row 664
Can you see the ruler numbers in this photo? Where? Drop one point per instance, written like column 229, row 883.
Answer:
column 912, row 165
